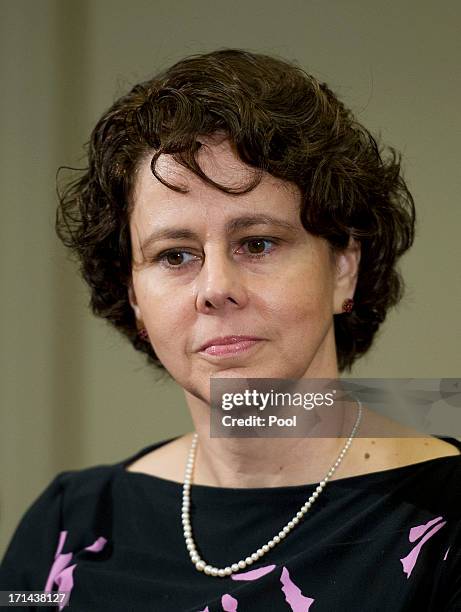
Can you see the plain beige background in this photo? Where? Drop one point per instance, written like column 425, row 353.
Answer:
column 73, row 393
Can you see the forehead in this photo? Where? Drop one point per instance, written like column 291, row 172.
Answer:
column 154, row 202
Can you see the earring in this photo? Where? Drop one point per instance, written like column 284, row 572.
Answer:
column 142, row 333
column 348, row 305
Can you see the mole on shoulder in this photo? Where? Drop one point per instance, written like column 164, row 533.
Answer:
column 367, row 455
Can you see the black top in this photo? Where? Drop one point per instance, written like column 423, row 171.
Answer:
column 389, row 540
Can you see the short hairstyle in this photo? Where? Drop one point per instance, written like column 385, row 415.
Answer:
column 279, row 120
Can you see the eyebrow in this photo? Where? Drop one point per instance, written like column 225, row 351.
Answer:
column 232, row 226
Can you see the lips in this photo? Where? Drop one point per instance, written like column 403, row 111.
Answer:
column 228, row 340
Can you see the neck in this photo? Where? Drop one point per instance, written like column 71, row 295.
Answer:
column 269, row 462
column 246, row 463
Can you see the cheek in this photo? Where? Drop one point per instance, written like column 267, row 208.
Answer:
column 298, row 312
column 301, row 300
column 161, row 314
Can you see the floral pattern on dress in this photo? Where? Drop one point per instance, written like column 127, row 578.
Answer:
column 61, row 572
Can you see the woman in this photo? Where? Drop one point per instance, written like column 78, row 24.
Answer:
column 235, row 221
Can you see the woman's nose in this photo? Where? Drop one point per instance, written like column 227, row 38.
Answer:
column 220, row 284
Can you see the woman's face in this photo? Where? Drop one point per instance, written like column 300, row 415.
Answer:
column 207, row 264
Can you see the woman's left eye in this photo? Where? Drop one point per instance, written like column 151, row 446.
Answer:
column 257, row 246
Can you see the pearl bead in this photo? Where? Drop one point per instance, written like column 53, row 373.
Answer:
column 228, row 571
column 235, row 567
column 241, row 564
column 207, row 569
column 200, row 565
column 248, row 560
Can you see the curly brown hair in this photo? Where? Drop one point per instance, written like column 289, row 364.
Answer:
column 280, row 120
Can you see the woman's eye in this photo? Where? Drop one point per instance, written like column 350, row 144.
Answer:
column 257, row 246
column 175, row 259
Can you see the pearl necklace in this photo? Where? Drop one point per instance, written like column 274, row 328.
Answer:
column 199, row 563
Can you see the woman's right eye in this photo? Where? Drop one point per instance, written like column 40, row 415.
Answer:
column 174, row 259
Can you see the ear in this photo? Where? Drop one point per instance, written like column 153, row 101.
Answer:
column 133, row 302
column 347, row 264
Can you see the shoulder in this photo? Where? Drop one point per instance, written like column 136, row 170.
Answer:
column 79, row 490
column 430, row 479
column 78, row 494
column 421, row 457
column 75, row 485
column 426, row 448
column 69, row 488
column 388, row 444
column 63, row 491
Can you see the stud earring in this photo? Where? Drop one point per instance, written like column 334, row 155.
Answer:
column 142, row 333
column 348, row 305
